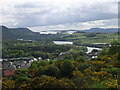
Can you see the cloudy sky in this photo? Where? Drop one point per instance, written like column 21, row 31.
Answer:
column 59, row 14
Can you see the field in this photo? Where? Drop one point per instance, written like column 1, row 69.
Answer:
column 88, row 38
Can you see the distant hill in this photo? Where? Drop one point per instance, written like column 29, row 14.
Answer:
column 93, row 30
column 17, row 33
column 25, row 33
column 100, row 30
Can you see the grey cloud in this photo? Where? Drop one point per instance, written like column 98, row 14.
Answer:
column 40, row 14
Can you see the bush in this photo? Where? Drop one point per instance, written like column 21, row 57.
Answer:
column 52, row 71
column 67, row 67
column 48, row 82
column 112, row 70
column 80, row 59
column 41, row 71
column 84, row 66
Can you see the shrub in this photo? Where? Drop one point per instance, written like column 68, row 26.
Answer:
column 52, row 71
column 67, row 67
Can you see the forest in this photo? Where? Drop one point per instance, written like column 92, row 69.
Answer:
column 15, row 49
column 75, row 71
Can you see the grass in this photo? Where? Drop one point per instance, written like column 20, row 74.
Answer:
column 84, row 38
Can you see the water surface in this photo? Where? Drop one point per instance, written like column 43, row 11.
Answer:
column 91, row 48
column 62, row 42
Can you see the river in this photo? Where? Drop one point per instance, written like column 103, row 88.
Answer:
column 91, row 48
column 67, row 42
column 62, row 42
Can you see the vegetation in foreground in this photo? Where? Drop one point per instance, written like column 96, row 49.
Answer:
column 101, row 72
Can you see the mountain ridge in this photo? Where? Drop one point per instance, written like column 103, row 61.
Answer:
column 25, row 33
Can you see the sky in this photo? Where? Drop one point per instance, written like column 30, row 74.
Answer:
column 59, row 14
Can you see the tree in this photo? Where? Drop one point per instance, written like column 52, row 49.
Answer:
column 79, row 79
column 67, row 67
column 41, row 71
column 114, row 48
column 52, row 71
column 21, row 75
column 84, row 66
column 80, row 59
column 94, row 51
column 20, row 79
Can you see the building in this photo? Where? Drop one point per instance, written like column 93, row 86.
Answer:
column 9, row 73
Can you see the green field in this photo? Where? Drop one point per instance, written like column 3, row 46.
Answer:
column 88, row 38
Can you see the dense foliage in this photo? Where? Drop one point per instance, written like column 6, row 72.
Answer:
column 100, row 72
column 16, row 49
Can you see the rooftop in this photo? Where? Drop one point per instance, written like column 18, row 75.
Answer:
column 9, row 72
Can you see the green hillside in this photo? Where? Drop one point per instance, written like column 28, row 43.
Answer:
column 16, row 33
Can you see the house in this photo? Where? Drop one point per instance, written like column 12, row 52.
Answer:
column 63, row 55
column 56, row 58
column 94, row 56
column 47, row 59
column 34, row 59
column 27, row 65
column 20, row 39
column 9, row 73
column 39, row 58
column 24, row 62
column 7, row 64
column 11, row 67
column 89, row 56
